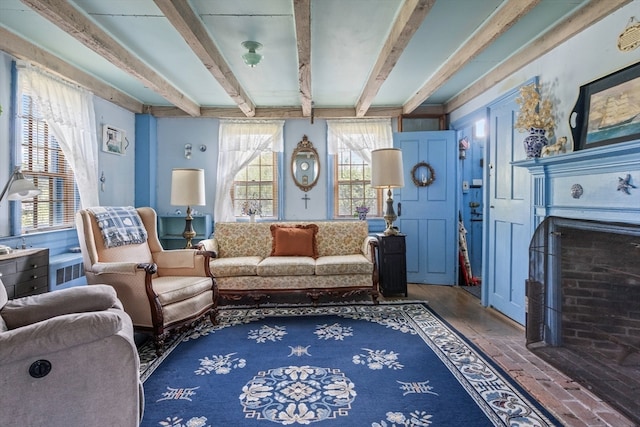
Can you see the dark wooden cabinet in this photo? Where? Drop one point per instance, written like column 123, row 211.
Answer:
column 392, row 264
column 25, row 272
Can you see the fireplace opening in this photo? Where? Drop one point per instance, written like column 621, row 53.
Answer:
column 583, row 306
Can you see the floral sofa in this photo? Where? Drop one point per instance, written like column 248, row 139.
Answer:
column 256, row 260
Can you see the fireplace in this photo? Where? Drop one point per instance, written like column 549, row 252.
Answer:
column 583, row 305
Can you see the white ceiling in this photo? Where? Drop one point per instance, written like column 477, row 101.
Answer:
column 441, row 58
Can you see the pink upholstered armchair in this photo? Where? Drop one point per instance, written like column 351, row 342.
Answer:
column 162, row 290
column 68, row 358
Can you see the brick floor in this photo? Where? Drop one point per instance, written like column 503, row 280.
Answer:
column 504, row 341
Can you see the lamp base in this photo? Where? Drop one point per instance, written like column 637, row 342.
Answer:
column 189, row 233
column 390, row 216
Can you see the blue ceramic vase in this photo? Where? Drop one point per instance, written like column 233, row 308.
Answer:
column 534, row 142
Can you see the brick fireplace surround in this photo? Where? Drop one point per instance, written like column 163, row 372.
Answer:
column 584, row 306
column 583, row 290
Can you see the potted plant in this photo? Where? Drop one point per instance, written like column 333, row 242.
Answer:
column 361, row 212
column 252, row 208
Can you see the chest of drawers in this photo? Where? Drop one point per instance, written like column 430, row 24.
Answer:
column 25, row 272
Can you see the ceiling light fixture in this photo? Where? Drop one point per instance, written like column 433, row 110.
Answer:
column 252, row 58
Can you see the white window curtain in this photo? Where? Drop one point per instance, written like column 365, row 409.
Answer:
column 360, row 135
column 240, row 142
column 69, row 112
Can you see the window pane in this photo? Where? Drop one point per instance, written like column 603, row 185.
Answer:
column 44, row 163
column 353, row 185
column 256, row 186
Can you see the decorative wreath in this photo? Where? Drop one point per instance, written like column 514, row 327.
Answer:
column 423, row 180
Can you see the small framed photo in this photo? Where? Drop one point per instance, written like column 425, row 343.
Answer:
column 114, row 140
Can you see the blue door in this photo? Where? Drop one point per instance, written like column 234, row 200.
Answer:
column 428, row 212
column 509, row 214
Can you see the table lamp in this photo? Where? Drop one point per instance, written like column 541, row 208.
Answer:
column 18, row 187
column 187, row 188
column 387, row 172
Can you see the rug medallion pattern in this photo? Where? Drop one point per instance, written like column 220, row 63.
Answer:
column 304, row 386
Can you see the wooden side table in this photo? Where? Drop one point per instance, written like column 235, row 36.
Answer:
column 392, row 264
column 25, row 272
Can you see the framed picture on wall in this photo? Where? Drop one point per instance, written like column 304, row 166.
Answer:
column 114, row 140
column 608, row 110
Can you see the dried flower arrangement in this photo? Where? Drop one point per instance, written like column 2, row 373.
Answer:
column 534, row 111
column 251, row 207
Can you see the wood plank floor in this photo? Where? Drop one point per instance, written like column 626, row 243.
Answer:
column 504, row 341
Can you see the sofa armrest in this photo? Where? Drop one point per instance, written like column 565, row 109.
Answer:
column 24, row 311
column 368, row 247
column 57, row 334
column 210, row 245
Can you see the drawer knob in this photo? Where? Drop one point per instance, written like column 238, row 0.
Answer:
column 34, row 266
column 35, row 276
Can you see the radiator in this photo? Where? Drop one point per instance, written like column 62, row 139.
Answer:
column 66, row 270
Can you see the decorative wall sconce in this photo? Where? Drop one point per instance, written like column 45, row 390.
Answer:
column 187, row 151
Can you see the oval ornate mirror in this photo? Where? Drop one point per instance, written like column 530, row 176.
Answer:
column 305, row 165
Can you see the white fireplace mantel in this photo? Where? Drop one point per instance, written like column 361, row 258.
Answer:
column 586, row 184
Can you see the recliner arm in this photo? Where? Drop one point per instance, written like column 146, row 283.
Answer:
column 57, row 334
column 25, row 311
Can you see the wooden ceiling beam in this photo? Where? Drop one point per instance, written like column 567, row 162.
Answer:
column 277, row 112
column 62, row 14
column 191, row 28
column 498, row 24
column 302, row 16
column 22, row 49
column 410, row 17
column 580, row 20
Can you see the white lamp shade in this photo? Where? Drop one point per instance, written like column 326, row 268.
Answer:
column 187, row 187
column 19, row 188
column 386, row 168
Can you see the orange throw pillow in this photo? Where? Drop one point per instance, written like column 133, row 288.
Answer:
column 298, row 240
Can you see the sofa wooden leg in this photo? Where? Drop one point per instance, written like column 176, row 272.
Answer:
column 158, row 341
column 213, row 316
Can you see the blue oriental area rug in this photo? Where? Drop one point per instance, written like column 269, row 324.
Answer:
column 343, row 365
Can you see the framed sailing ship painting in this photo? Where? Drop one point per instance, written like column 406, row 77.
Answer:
column 608, row 110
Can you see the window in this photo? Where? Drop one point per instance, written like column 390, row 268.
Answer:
column 350, row 142
column 257, row 184
column 352, row 185
column 44, row 163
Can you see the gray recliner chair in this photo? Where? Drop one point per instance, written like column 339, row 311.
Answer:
column 68, row 357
